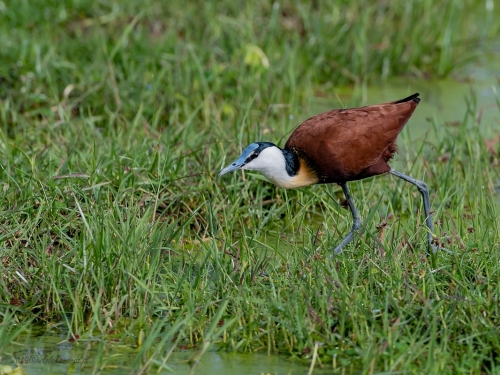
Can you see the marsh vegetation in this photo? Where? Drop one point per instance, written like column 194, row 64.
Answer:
column 114, row 230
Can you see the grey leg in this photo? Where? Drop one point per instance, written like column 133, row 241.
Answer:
column 357, row 220
column 422, row 188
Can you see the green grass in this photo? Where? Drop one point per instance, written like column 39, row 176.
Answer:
column 115, row 120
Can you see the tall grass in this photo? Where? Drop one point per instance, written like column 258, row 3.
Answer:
column 116, row 119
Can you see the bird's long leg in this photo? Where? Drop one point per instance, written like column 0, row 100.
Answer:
column 355, row 215
column 424, row 190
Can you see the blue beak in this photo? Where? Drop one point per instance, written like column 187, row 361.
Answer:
column 242, row 160
column 232, row 167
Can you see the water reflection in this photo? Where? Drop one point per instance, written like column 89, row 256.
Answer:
column 52, row 353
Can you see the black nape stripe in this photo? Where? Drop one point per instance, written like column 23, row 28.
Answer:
column 292, row 163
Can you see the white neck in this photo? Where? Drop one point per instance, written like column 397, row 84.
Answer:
column 272, row 164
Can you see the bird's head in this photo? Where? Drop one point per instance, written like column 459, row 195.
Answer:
column 258, row 156
column 282, row 167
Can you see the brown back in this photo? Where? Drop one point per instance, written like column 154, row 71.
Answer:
column 351, row 144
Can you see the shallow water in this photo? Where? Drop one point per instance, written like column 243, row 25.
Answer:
column 52, row 353
column 444, row 101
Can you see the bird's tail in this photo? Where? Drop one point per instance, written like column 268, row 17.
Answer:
column 413, row 97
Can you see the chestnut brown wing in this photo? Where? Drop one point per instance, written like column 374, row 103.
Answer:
column 351, row 144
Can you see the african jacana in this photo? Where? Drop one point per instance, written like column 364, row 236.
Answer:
column 336, row 147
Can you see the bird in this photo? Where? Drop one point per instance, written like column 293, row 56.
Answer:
column 338, row 146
